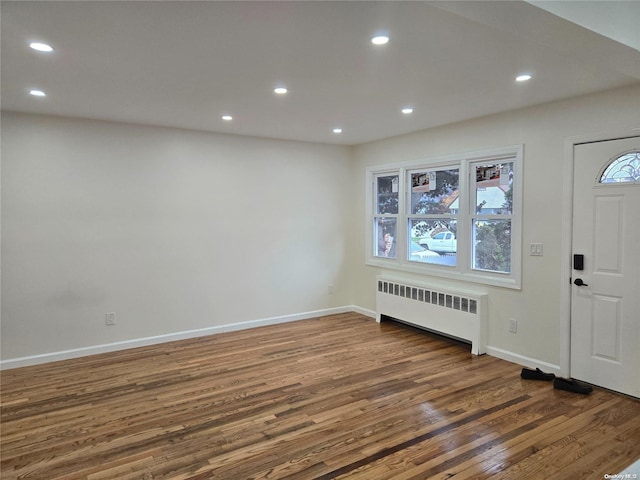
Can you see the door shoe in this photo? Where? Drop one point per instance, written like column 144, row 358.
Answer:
column 536, row 374
column 571, row 385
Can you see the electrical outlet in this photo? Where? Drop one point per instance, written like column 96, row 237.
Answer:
column 513, row 326
column 331, row 289
column 110, row 318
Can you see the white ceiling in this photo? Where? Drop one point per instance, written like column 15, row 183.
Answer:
column 184, row 64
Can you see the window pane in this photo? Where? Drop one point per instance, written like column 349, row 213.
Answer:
column 434, row 192
column 387, row 194
column 624, row 169
column 494, row 194
column 385, row 237
column 492, row 245
column 433, row 241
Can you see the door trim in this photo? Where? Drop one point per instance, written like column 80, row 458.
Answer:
column 567, row 240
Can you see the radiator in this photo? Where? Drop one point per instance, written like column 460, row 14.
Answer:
column 457, row 314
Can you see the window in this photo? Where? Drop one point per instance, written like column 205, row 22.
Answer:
column 386, row 218
column 433, row 216
column 623, row 169
column 456, row 216
column 492, row 216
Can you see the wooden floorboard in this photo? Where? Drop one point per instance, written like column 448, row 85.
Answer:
column 333, row 397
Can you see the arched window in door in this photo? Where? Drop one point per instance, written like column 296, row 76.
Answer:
column 623, row 169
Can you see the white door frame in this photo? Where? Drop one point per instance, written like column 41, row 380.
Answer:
column 567, row 240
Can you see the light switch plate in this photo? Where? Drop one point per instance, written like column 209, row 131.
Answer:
column 536, row 249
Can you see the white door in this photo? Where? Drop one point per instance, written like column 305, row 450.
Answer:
column 605, row 298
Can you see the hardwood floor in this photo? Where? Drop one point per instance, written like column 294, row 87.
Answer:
column 333, row 397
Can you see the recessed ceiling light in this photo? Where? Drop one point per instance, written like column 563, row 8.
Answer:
column 37, row 93
column 227, row 118
column 523, row 78
column 407, row 110
column 380, row 40
column 280, row 90
column 337, row 130
column 41, row 47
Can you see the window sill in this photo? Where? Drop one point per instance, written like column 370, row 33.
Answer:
column 496, row 280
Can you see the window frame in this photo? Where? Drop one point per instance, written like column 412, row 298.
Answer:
column 465, row 162
column 391, row 216
column 431, row 216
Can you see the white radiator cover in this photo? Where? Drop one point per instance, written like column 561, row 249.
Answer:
column 459, row 314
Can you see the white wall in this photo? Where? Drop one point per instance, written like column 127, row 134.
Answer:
column 177, row 230
column 173, row 230
column 542, row 130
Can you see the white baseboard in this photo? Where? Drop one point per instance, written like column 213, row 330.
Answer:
column 522, row 360
column 146, row 341
column 362, row 311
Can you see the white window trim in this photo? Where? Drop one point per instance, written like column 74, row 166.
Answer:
column 463, row 270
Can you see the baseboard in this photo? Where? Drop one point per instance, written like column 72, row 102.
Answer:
column 362, row 311
column 146, row 341
column 522, row 360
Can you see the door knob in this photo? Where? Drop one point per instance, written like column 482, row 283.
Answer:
column 580, row 283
